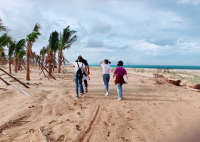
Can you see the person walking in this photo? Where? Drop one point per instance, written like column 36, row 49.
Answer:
column 106, row 75
column 119, row 80
column 84, row 75
column 78, row 74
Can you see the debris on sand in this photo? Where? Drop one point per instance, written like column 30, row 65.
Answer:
column 195, row 86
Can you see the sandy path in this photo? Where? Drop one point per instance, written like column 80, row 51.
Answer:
column 147, row 113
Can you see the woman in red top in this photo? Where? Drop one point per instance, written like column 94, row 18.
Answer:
column 119, row 80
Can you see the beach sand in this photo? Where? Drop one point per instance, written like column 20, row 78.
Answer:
column 148, row 112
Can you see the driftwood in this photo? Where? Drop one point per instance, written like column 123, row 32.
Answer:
column 44, row 138
column 195, row 86
column 14, row 78
column 4, row 81
column 11, row 123
column 175, row 82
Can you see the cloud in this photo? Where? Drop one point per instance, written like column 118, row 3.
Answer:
column 152, row 30
column 188, row 2
column 163, row 42
column 99, row 27
column 94, row 43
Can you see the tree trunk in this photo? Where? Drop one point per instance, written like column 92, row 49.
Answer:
column 9, row 62
column 39, row 62
column 19, row 63
column 54, row 58
column 50, row 61
column 28, row 60
column 42, row 61
column 15, row 62
column 59, row 60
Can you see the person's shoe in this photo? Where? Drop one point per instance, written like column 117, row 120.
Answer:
column 81, row 93
column 107, row 94
column 86, row 90
column 77, row 97
column 119, row 99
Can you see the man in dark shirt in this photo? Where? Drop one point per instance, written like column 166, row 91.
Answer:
column 84, row 75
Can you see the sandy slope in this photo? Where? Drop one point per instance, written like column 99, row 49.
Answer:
column 148, row 112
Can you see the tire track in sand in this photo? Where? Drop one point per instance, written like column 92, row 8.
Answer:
column 85, row 136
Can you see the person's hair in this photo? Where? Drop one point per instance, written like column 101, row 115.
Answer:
column 107, row 62
column 80, row 59
column 120, row 63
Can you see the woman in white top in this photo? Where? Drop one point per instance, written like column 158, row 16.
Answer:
column 106, row 75
column 78, row 81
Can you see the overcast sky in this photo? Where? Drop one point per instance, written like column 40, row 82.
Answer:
column 150, row 32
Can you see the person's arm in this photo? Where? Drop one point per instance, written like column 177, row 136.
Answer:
column 100, row 63
column 114, row 75
column 86, row 73
column 71, row 63
column 127, row 78
column 88, row 69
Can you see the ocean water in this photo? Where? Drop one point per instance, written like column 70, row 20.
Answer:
column 157, row 66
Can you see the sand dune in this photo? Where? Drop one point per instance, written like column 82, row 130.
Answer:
column 149, row 111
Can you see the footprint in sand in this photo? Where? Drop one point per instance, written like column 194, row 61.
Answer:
column 71, row 121
column 30, row 131
column 125, row 140
column 108, row 134
column 83, row 107
column 79, row 113
column 58, row 114
column 31, row 106
column 52, row 121
column 79, row 127
column 129, row 119
column 131, row 127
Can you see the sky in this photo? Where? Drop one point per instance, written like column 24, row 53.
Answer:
column 140, row 32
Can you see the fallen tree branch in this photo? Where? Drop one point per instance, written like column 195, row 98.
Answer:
column 11, row 122
column 4, row 81
column 14, row 78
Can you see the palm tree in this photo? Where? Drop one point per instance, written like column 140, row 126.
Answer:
column 30, row 40
column 11, row 48
column 4, row 40
column 43, row 51
column 19, row 47
column 52, row 47
column 65, row 42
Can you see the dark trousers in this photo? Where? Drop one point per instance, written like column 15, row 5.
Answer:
column 86, row 85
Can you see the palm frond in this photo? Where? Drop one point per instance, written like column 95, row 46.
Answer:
column 2, row 28
column 36, row 28
column 65, row 39
column 4, row 40
column 21, row 53
column 53, row 41
column 69, row 43
column 20, row 45
column 34, row 35
column 11, row 48
column 43, row 51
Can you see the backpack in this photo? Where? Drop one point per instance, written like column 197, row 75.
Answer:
column 79, row 73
